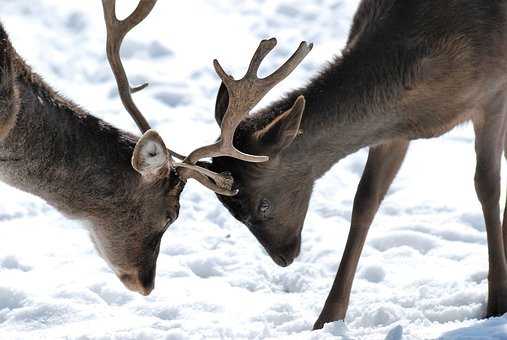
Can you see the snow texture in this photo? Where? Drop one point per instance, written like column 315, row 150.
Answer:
column 424, row 268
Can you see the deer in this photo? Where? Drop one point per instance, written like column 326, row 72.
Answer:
column 409, row 70
column 124, row 188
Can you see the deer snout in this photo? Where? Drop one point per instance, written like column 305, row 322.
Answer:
column 147, row 279
column 285, row 255
column 141, row 281
column 282, row 260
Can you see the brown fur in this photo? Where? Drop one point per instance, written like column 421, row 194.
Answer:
column 411, row 69
column 81, row 165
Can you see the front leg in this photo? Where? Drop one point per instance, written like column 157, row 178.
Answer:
column 383, row 164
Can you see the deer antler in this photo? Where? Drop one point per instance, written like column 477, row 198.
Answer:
column 244, row 94
column 116, row 31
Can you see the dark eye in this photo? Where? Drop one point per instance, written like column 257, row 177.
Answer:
column 264, row 207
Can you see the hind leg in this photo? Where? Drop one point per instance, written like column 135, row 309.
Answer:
column 489, row 132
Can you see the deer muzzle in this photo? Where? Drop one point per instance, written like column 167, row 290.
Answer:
column 142, row 281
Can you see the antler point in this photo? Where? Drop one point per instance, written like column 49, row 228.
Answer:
column 139, row 88
column 270, row 43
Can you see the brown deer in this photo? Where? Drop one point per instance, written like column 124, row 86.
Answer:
column 124, row 188
column 410, row 70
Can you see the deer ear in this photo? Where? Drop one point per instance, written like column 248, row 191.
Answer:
column 151, row 158
column 282, row 131
column 221, row 104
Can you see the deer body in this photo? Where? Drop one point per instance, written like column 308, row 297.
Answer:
column 82, row 166
column 410, row 70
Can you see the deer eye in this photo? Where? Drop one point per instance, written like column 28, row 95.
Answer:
column 264, row 207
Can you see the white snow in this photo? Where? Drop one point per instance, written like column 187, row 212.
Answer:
column 423, row 271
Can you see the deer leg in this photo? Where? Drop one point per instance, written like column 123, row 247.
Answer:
column 9, row 99
column 383, row 164
column 504, row 225
column 489, row 134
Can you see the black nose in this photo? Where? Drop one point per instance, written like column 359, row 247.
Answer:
column 284, row 256
column 283, row 261
column 147, row 278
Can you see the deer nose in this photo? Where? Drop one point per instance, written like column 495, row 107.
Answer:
column 286, row 255
column 147, row 280
column 141, row 282
column 283, row 261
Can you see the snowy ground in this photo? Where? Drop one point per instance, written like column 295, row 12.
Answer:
column 423, row 271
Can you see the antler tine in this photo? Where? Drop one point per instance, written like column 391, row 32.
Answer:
column 260, row 54
column 116, row 31
column 290, row 65
column 226, row 78
column 244, row 94
column 219, row 183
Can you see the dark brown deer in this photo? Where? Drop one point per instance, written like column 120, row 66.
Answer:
column 124, row 188
column 410, row 70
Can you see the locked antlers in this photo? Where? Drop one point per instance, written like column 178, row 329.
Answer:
column 151, row 157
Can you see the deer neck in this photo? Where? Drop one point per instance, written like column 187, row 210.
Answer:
column 57, row 151
column 348, row 107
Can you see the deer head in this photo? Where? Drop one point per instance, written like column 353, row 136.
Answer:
column 154, row 162
column 273, row 196
column 265, row 196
